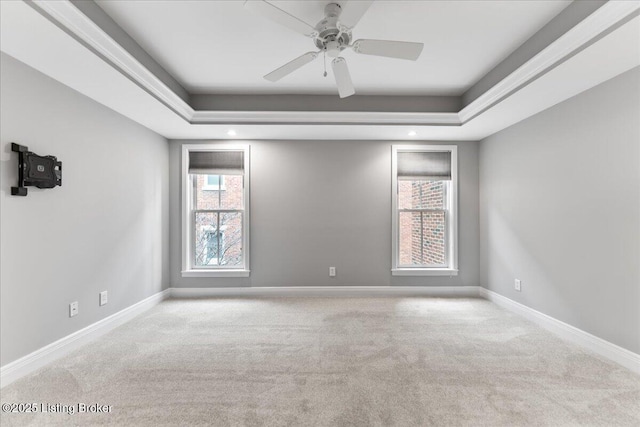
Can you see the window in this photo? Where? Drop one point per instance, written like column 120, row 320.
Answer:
column 214, row 183
column 424, row 210
column 215, row 211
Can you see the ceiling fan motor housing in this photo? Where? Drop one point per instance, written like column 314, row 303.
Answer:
column 330, row 38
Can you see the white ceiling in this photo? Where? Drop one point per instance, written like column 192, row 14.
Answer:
column 218, row 47
column 55, row 38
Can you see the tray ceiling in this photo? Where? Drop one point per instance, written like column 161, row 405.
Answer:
column 58, row 39
column 219, row 47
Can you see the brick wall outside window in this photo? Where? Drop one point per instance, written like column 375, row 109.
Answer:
column 426, row 246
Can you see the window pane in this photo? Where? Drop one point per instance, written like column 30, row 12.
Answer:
column 213, row 182
column 218, row 192
column 206, row 239
column 433, row 245
column 422, row 239
column 231, row 195
column 206, row 196
column 410, row 235
column 417, row 194
column 231, row 242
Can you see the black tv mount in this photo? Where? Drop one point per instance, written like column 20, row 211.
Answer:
column 35, row 171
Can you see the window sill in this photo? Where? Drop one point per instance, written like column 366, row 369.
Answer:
column 424, row 272
column 216, row 273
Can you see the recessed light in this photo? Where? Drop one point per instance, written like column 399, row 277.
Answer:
column 231, row 132
column 412, row 133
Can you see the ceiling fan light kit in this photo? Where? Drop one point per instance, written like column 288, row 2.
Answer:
column 332, row 35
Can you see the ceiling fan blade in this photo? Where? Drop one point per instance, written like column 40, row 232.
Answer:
column 352, row 11
column 389, row 48
column 278, row 15
column 343, row 78
column 291, row 66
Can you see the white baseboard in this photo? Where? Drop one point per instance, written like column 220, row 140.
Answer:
column 624, row 357
column 39, row 358
column 328, row 291
column 45, row 355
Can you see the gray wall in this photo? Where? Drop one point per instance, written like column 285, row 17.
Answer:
column 316, row 204
column 560, row 210
column 106, row 228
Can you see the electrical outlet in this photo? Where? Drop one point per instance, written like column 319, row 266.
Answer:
column 518, row 285
column 332, row 272
column 103, row 298
column 73, row 309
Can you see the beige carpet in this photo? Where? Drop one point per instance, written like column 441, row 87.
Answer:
column 331, row 362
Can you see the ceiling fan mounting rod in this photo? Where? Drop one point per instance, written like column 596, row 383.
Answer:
column 332, row 10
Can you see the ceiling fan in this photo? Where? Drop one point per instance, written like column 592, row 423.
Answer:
column 331, row 36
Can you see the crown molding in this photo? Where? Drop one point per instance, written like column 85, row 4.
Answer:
column 69, row 18
column 325, row 117
column 607, row 17
column 73, row 21
column 64, row 14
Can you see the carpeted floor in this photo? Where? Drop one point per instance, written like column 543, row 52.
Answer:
column 331, row 362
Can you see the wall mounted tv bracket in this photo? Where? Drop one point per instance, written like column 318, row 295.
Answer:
column 35, row 171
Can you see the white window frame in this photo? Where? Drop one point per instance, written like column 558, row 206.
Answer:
column 452, row 220
column 188, row 268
